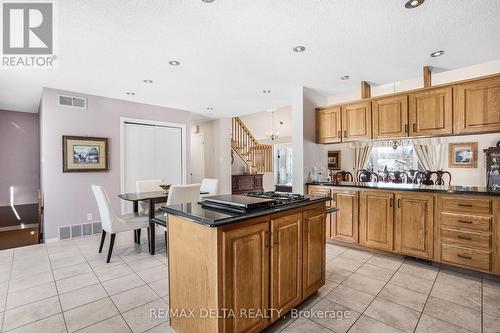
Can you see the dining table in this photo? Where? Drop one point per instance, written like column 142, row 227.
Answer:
column 152, row 198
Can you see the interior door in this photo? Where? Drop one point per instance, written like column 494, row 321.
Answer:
column 151, row 152
column 197, row 158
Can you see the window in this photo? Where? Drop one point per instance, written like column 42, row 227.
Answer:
column 400, row 159
column 283, row 164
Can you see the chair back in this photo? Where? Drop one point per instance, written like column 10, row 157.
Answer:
column 366, row 176
column 149, row 185
column 104, row 206
column 343, row 176
column 179, row 194
column 210, row 185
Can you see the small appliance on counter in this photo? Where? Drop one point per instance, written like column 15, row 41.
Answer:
column 319, row 175
column 493, row 166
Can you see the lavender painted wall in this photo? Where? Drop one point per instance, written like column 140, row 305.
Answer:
column 67, row 196
column 19, row 157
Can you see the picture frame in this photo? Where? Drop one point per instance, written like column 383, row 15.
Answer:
column 85, row 154
column 462, row 155
column 334, row 160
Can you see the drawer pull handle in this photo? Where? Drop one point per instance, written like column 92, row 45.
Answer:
column 464, row 256
column 464, row 205
column 464, row 221
column 464, row 237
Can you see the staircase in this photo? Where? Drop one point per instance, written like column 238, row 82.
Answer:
column 258, row 157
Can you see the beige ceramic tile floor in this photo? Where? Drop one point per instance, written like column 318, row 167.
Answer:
column 65, row 286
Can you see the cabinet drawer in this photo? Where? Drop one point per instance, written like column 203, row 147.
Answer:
column 460, row 221
column 466, row 257
column 467, row 205
column 473, row 239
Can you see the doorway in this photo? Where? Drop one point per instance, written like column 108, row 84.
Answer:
column 197, row 157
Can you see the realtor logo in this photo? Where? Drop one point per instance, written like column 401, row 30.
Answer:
column 27, row 30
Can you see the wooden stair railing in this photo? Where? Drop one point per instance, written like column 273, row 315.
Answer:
column 258, row 157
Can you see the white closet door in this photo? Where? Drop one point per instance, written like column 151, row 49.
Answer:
column 151, row 152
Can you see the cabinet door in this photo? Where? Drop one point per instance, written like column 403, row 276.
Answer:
column 390, row 117
column 328, row 124
column 477, row 106
column 431, row 112
column 345, row 227
column 376, row 219
column 286, row 263
column 356, row 121
column 246, row 276
column 314, row 239
column 414, row 225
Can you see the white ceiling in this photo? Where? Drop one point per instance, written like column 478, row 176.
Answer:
column 231, row 50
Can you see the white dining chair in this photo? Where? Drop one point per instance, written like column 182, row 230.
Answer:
column 179, row 194
column 210, row 185
column 147, row 186
column 112, row 223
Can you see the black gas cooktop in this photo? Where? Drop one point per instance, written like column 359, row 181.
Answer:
column 251, row 201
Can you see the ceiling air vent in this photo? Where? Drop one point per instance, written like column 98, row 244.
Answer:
column 72, row 101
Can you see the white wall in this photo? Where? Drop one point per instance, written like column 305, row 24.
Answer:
column 217, row 136
column 260, row 122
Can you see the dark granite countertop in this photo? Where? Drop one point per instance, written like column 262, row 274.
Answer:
column 215, row 218
column 416, row 188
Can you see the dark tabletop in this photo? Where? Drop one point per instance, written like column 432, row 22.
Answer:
column 28, row 214
column 214, row 218
column 142, row 196
column 416, row 187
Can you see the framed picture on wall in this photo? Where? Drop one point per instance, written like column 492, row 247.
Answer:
column 85, row 154
column 334, row 160
column 462, row 155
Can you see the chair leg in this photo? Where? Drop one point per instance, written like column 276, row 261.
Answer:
column 103, row 237
column 111, row 243
column 139, row 236
column 166, row 237
column 135, row 236
column 149, row 242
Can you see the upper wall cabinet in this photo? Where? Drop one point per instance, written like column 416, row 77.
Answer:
column 328, row 126
column 477, row 106
column 431, row 112
column 356, row 121
column 390, row 117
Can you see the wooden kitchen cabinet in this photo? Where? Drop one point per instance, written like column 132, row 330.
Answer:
column 376, row 219
column 357, row 121
column 314, row 249
column 246, row 275
column 414, row 225
column 390, row 117
column 328, row 125
column 477, row 106
column 431, row 112
column 344, row 226
column 286, row 263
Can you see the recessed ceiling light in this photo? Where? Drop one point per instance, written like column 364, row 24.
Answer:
column 413, row 3
column 266, row 91
column 437, row 54
column 209, row 108
column 299, row 49
column 174, row 63
column 148, row 81
column 345, row 77
column 208, row 1
column 130, row 93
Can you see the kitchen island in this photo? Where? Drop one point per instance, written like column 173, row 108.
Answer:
column 242, row 271
column 452, row 225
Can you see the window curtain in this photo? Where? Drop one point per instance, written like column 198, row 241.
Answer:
column 362, row 153
column 430, row 153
